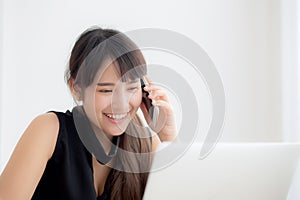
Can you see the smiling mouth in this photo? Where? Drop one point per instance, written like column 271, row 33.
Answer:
column 116, row 116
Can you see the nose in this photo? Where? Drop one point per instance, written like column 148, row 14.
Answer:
column 120, row 99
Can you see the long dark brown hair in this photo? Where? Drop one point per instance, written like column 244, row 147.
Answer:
column 89, row 51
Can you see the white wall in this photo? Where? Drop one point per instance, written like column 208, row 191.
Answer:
column 241, row 37
column 290, row 54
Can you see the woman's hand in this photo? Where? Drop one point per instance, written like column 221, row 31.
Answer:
column 165, row 125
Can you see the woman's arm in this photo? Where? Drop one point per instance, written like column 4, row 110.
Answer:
column 28, row 161
column 155, row 142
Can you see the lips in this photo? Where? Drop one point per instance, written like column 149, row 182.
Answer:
column 116, row 117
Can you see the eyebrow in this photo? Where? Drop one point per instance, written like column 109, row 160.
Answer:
column 112, row 84
column 105, row 84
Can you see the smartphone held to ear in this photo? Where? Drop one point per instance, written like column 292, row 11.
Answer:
column 146, row 100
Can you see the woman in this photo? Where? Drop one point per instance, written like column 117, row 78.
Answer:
column 53, row 160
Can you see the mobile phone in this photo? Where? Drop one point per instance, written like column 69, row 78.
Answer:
column 145, row 99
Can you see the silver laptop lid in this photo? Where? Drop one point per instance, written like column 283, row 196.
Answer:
column 233, row 171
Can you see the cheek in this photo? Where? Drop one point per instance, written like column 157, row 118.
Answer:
column 136, row 99
column 89, row 105
column 88, row 100
column 102, row 102
column 94, row 102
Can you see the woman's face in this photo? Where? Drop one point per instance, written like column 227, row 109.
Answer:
column 111, row 103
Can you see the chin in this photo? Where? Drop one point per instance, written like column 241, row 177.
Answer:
column 114, row 132
column 117, row 133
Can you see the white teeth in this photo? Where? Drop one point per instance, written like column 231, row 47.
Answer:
column 117, row 116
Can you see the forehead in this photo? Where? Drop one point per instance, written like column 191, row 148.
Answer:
column 109, row 71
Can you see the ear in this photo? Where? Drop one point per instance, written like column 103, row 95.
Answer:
column 75, row 90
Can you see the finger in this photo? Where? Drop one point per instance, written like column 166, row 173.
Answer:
column 154, row 88
column 158, row 94
column 163, row 105
column 151, row 87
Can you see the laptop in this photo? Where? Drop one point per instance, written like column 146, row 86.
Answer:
column 232, row 171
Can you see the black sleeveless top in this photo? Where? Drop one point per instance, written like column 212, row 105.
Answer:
column 69, row 172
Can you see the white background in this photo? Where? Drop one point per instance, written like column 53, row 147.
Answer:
column 251, row 42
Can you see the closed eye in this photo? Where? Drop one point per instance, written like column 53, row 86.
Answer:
column 104, row 91
column 133, row 88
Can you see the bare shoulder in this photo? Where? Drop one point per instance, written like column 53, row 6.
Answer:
column 46, row 120
column 29, row 158
column 44, row 129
